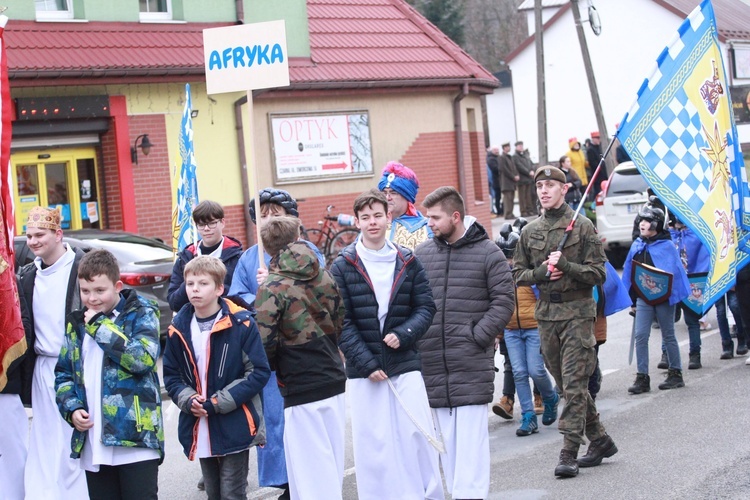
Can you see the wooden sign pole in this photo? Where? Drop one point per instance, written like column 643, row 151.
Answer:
column 252, row 178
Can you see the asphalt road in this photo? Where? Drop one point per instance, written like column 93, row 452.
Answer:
column 684, row 443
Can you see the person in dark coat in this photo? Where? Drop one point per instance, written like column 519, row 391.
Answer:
column 473, row 290
column 493, row 165
column 510, row 179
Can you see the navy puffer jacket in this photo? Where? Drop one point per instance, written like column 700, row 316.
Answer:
column 409, row 315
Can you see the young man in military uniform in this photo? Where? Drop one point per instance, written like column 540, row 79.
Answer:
column 566, row 312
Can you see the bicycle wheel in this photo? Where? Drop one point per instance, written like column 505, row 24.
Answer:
column 317, row 238
column 341, row 240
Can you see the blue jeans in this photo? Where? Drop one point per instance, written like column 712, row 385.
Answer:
column 524, row 349
column 692, row 320
column 226, row 477
column 644, row 316
column 721, row 318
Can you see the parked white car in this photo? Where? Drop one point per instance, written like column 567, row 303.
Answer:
column 619, row 201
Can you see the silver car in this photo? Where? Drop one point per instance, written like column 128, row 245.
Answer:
column 619, row 201
column 145, row 263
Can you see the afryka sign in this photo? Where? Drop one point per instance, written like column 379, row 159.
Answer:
column 246, row 57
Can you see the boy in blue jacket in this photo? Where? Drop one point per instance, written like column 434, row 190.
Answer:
column 214, row 371
column 107, row 386
column 654, row 248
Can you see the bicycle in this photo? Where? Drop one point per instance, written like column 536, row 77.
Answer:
column 330, row 240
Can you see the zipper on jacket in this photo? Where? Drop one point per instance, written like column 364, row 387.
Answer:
column 518, row 310
column 442, row 329
column 222, row 363
column 138, row 422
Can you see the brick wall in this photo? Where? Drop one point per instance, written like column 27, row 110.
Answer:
column 433, row 157
column 152, row 178
column 109, row 184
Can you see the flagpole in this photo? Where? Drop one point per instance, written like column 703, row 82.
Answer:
column 569, row 229
column 253, row 178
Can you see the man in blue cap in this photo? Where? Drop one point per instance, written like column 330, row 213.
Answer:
column 408, row 227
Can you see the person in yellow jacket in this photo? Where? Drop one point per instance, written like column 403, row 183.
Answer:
column 523, row 343
column 578, row 160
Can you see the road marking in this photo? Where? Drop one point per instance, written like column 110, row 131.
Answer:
column 611, row 370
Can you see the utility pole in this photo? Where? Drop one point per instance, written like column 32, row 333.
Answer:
column 601, row 125
column 541, row 110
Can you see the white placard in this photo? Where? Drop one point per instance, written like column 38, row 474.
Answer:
column 246, row 57
column 321, row 146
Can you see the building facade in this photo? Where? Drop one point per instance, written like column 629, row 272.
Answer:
column 371, row 81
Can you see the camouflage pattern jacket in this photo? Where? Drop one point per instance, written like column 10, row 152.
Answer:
column 300, row 314
column 131, row 398
column 236, row 371
column 583, row 265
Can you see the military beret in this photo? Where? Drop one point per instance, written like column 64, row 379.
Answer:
column 548, row 172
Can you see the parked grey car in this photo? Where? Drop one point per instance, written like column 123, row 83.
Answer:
column 145, row 263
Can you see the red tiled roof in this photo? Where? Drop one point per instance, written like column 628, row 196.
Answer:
column 352, row 43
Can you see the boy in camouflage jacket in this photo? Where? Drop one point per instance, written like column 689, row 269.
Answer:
column 300, row 316
column 107, row 385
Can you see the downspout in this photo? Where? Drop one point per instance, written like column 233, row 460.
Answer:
column 459, row 139
column 249, row 233
column 239, row 8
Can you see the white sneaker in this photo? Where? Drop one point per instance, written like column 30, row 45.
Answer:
column 747, row 361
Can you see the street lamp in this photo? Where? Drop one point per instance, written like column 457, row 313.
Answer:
column 145, row 146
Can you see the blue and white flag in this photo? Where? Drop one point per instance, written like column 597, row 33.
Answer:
column 681, row 135
column 185, row 232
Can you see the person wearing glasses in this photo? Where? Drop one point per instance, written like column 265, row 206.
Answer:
column 209, row 219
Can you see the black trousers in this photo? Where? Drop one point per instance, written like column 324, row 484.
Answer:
column 136, row 481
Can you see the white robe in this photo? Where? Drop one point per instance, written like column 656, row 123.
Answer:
column 13, row 446
column 391, row 456
column 314, row 448
column 50, row 472
column 466, row 461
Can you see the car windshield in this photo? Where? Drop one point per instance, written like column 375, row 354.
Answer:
column 626, row 181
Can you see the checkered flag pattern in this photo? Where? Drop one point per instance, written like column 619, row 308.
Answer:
column 672, row 147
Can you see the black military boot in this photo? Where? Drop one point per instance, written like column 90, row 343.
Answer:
column 601, row 448
column 642, row 384
column 727, row 350
column 695, row 361
column 568, row 465
column 674, row 380
column 664, row 363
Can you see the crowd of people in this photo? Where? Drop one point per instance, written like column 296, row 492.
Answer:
column 266, row 349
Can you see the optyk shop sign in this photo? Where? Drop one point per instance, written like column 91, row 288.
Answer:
column 246, row 57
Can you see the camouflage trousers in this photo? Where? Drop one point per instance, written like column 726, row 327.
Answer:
column 568, row 350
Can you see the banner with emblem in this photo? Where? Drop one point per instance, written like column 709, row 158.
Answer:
column 12, row 338
column 681, row 135
column 184, row 231
column 652, row 285
column 694, row 301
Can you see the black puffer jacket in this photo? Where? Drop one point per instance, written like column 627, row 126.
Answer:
column 473, row 291
column 409, row 315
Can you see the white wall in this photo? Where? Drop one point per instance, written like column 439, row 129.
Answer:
column 633, row 35
column 502, row 124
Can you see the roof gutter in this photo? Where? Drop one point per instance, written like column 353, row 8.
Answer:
column 460, row 139
column 241, row 152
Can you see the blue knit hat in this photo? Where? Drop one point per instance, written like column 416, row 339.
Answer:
column 401, row 179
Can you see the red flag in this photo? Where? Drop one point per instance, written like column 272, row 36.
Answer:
column 12, row 339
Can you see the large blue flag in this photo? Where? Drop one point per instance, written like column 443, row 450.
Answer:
column 185, row 232
column 681, row 135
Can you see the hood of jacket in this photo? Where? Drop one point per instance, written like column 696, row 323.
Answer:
column 474, row 232
column 296, row 261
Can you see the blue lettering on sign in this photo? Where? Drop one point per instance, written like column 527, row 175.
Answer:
column 235, row 56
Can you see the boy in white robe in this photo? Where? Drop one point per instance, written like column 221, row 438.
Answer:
column 389, row 307
column 50, row 289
